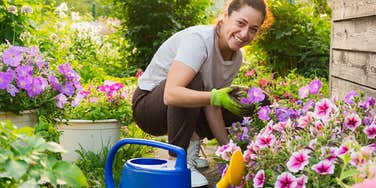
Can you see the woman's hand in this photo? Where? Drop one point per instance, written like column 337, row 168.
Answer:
column 222, row 98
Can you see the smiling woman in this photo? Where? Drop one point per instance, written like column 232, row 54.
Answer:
column 188, row 82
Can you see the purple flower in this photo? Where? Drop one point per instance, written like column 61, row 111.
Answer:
column 370, row 131
column 12, row 90
column 264, row 112
column 352, row 121
column 283, row 114
column 285, row 180
column 77, row 100
column 24, row 82
column 315, row 86
column 349, row 98
column 298, row 161
column 35, row 88
column 68, row 89
column 303, row 92
column 246, row 121
column 61, row 99
column 367, row 120
column 5, row 80
column 66, row 70
column 259, row 179
column 255, row 94
column 12, row 56
column 370, row 101
column 308, row 105
column 324, row 167
column 54, row 83
column 24, row 71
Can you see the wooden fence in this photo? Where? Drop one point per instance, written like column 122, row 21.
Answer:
column 353, row 47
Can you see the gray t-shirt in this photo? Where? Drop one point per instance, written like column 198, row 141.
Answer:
column 196, row 47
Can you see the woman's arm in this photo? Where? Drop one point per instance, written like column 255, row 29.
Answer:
column 176, row 93
column 216, row 124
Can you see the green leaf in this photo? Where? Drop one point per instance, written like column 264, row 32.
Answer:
column 55, row 147
column 349, row 173
column 70, row 174
column 29, row 184
column 16, row 168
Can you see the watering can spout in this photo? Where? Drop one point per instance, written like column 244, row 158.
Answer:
column 235, row 171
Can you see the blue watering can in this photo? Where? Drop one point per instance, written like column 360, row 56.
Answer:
column 149, row 172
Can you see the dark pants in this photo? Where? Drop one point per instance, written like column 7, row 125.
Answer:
column 179, row 123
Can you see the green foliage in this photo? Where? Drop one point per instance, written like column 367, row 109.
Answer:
column 85, row 7
column 297, row 40
column 17, row 17
column 90, row 46
column 27, row 160
column 93, row 164
column 147, row 24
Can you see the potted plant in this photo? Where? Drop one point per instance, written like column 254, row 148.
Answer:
column 28, row 83
column 312, row 142
column 95, row 122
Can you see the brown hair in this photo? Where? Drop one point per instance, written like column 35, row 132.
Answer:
column 260, row 5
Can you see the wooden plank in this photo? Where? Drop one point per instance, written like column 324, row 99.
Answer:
column 341, row 87
column 358, row 67
column 358, row 34
column 347, row 9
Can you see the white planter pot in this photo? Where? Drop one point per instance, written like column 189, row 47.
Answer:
column 91, row 135
column 25, row 118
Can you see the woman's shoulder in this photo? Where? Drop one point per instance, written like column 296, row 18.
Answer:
column 202, row 30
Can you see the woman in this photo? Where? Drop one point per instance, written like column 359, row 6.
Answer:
column 184, row 91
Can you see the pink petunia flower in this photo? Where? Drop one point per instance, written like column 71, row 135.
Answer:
column 342, row 150
column 263, row 82
column 301, row 181
column 357, row 159
column 298, row 161
column 226, row 151
column 324, row 108
column 304, row 121
column 352, row 121
column 303, row 92
column 249, row 154
column 370, row 131
column 368, row 183
column 281, row 126
column 324, row 167
column 250, row 73
column 329, row 153
column 285, row 180
column 249, row 176
column 312, row 144
column 259, row 179
column 265, row 140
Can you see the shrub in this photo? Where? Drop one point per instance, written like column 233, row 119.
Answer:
column 148, row 23
column 27, row 160
column 297, row 40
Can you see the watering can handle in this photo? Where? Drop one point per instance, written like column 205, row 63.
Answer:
column 181, row 158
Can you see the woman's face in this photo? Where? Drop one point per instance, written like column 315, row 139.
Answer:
column 240, row 27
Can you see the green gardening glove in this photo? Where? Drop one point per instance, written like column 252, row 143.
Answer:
column 222, row 98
